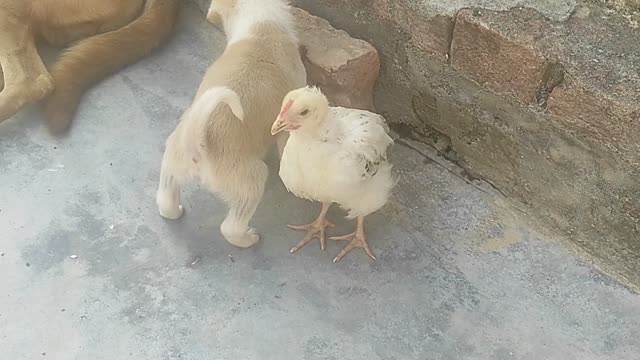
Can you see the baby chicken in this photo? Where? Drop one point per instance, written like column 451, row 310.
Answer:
column 334, row 155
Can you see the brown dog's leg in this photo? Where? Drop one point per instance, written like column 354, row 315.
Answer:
column 94, row 58
column 26, row 79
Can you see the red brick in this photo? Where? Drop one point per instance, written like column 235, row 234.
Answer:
column 345, row 68
column 596, row 118
column 430, row 34
column 494, row 60
column 600, row 99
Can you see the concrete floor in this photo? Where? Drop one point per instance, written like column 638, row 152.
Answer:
column 459, row 274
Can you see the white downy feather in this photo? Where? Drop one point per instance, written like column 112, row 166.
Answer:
column 344, row 162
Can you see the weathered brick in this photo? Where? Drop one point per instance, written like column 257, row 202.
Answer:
column 485, row 54
column 595, row 118
column 514, row 52
column 600, row 99
column 345, row 68
column 430, row 34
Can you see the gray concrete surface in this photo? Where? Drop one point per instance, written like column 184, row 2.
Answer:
column 459, row 274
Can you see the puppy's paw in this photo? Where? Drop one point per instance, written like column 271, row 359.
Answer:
column 172, row 213
column 213, row 17
column 246, row 240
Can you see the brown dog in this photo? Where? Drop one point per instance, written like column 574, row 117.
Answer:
column 225, row 134
column 109, row 35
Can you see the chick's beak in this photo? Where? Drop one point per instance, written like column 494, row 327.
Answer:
column 278, row 125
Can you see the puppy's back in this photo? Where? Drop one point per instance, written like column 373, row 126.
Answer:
column 261, row 70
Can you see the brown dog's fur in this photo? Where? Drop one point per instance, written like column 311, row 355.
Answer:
column 108, row 35
column 212, row 143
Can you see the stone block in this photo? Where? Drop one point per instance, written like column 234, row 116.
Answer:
column 345, row 68
column 594, row 117
column 599, row 101
column 431, row 33
column 506, row 65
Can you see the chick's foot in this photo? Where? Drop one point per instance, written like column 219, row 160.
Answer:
column 314, row 230
column 356, row 239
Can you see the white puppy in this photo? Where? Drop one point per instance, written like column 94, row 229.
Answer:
column 224, row 136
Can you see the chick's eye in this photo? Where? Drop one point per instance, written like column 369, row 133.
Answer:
column 304, row 112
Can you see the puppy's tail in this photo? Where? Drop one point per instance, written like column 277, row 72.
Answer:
column 96, row 57
column 210, row 99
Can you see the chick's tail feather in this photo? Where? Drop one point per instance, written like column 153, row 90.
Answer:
column 97, row 57
column 372, row 194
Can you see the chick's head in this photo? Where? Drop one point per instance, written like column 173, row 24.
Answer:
column 302, row 109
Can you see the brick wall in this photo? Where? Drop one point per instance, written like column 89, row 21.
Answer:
column 545, row 109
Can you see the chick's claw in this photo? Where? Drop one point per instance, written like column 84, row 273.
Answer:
column 314, row 230
column 355, row 241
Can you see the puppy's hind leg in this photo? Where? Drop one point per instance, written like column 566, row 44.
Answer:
column 243, row 191
column 171, row 177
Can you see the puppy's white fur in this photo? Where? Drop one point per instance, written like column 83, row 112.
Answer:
column 224, row 146
column 207, row 102
column 255, row 12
